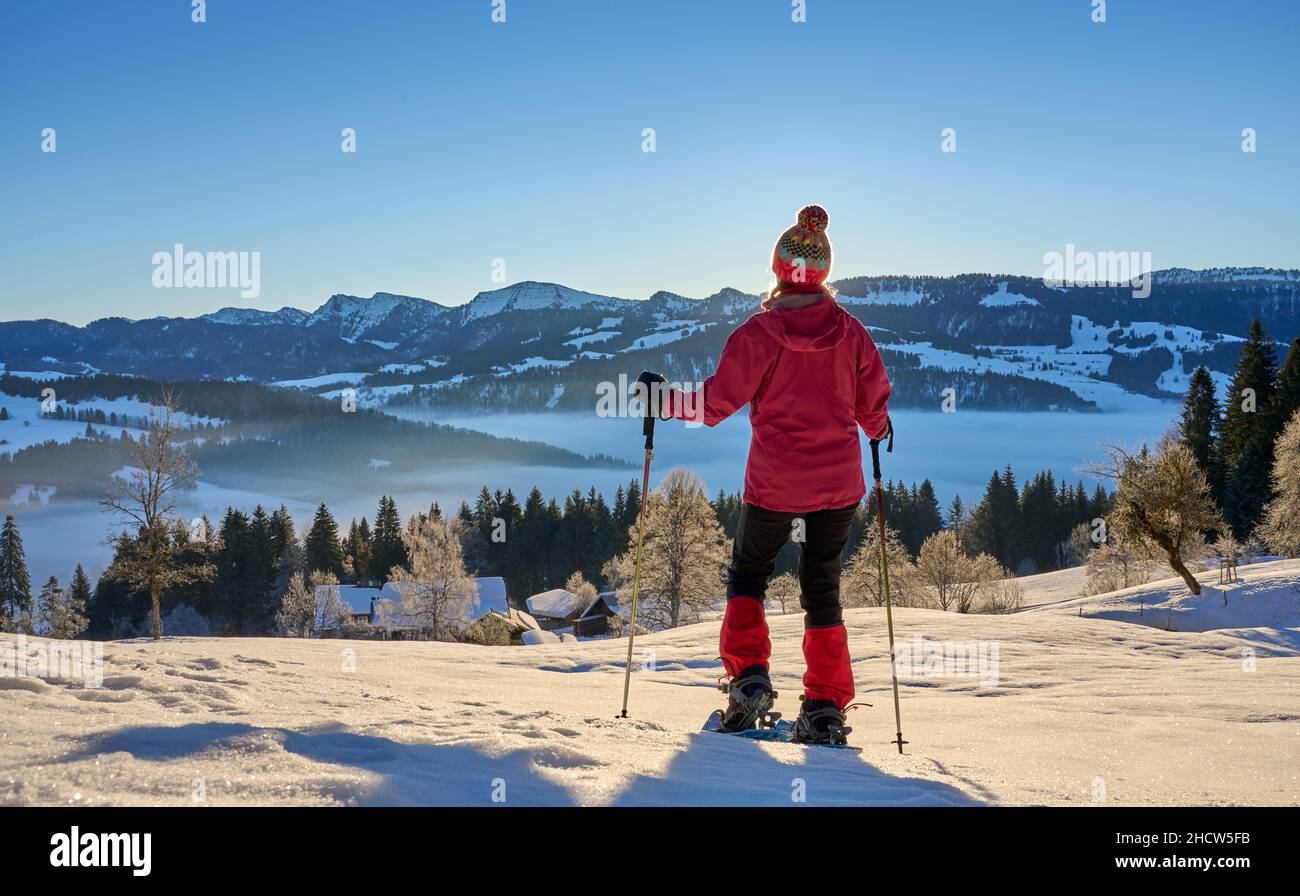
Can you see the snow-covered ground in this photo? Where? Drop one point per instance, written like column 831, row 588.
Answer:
column 1262, row 605
column 28, row 426
column 1067, row 709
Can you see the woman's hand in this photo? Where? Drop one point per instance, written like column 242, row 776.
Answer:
column 653, row 393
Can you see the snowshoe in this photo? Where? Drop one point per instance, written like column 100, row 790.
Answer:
column 820, row 722
column 779, row 732
column 749, row 701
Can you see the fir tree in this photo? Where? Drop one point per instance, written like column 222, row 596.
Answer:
column 1248, row 433
column 1039, row 522
column 15, row 583
column 62, row 613
column 1200, row 427
column 282, row 532
column 237, row 574
column 323, row 551
column 957, row 515
column 1287, row 400
column 80, row 591
column 387, row 548
column 926, row 510
column 1249, row 487
column 265, row 566
column 358, row 548
column 994, row 522
column 632, row 507
column 532, row 546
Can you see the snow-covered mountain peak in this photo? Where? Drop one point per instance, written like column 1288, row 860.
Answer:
column 530, row 295
column 253, row 317
column 358, row 318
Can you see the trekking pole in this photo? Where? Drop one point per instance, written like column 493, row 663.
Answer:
column 648, row 430
column 884, row 575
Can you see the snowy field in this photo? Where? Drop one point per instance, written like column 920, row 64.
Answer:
column 28, row 425
column 1069, row 709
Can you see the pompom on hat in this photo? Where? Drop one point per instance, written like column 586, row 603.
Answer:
column 802, row 255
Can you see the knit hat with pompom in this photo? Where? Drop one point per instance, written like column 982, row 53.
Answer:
column 803, row 253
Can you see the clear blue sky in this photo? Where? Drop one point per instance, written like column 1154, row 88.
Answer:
column 523, row 141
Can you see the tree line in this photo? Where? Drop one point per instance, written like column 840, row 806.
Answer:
column 1233, row 442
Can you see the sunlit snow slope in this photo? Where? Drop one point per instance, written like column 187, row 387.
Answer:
column 1076, row 710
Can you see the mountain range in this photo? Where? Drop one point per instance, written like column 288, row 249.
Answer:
column 999, row 341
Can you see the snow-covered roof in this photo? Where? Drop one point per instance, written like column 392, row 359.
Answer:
column 357, row 597
column 606, row 599
column 555, row 604
column 526, row 619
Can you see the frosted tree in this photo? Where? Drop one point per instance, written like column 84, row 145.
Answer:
column 1004, row 596
column 785, row 591
column 682, row 558
column 1115, row 565
column 957, row 580
column 61, row 614
column 580, row 586
column 329, row 610
column 1077, row 547
column 1162, row 503
column 1281, row 526
column 145, row 500
column 862, row 584
column 296, row 617
column 438, row 595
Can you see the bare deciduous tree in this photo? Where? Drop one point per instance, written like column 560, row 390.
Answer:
column 1113, row 566
column 585, row 591
column 957, row 580
column 862, row 584
column 328, row 609
column 785, row 590
column 145, row 501
column 682, row 558
column 1162, row 503
column 1281, row 526
column 297, row 615
column 1005, row 596
column 438, row 595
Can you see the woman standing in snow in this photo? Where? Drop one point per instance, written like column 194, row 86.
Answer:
column 811, row 376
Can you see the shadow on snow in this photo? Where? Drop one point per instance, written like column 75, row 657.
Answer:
column 713, row 770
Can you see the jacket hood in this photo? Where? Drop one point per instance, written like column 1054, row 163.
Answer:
column 810, row 328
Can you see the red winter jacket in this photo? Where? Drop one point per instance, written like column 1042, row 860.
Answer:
column 811, row 376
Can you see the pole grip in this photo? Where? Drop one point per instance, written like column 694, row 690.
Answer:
column 648, row 430
column 875, row 459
